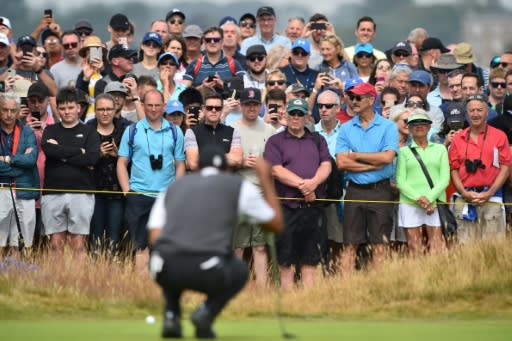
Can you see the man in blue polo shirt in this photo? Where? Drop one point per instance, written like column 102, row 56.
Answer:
column 157, row 159
column 266, row 20
column 365, row 150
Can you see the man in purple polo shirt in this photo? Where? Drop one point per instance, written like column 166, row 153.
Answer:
column 300, row 167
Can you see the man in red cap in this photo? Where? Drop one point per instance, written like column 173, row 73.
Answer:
column 365, row 150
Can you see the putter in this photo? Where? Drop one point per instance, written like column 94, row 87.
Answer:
column 280, row 322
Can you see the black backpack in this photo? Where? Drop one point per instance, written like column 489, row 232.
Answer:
column 334, row 182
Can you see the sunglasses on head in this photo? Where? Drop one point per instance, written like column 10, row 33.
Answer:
column 326, row 105
column 176, row 21
column 401, row 54
column 300, row 52
column 247, row 24
column 296, row 113
column 363, row 55
column 70, row 46
column 496, row 85
column 213, row 107
column 213, row 40
column 254, row 58
column 279, row 82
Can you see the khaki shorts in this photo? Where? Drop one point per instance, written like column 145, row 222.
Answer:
column 246, row 235
column 68, row 212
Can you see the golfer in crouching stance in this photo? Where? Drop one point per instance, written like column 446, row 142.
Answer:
column 190, row 232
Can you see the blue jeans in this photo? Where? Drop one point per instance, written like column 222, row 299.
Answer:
column 107, row 223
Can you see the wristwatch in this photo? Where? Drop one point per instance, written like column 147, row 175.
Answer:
column 136, row 98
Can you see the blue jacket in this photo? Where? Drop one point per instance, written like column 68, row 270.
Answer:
column 23, row 166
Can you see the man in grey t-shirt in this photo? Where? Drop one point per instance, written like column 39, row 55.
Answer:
column 67, row 70
column 191, row 239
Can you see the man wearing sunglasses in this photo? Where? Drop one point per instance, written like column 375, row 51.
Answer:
column 267, row 36
column 300, row 166
column 365, row 149
column 212, row 68
column 212, row 132
column 67, row 70
column 247, row 24
column 497, row 87
column 175, row 21
column 256, row 74
column 298, row 70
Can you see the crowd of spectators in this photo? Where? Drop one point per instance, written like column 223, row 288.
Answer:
column 92, row 131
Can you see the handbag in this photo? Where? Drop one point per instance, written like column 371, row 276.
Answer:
column 448, row 221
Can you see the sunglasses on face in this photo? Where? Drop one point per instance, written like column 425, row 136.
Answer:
column 415, row 104
column 326, row 105
column 279, row 82
column 503, row 64
column 84, row 33
column 384, row 67
column 296, row 113
column 168, row 62
column 70, row 46
column 401, row 54
column 496, row 85
column 247, row 24
column 151, row 44
column 384, row 103
column 254, row 58
column 357, row 98
column 213, row 107
column 363, row 55
column 213, row 40
column 299, row 52
column 176, row 21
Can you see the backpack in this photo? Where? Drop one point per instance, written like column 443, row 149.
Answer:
column 199, row 63
column 334, row 182
column 131, row 136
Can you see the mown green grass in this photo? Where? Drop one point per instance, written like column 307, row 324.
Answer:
column 138, row 330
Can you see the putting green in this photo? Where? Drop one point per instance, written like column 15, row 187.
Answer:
column 320, row 330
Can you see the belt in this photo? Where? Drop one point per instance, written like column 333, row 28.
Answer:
column 4, row 185
column 476, row 189
column 373, row 185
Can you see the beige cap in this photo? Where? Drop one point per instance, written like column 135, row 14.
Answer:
column 20, row 87
column 463, row 53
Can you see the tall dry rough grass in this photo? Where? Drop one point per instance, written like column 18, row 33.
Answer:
column 467, row 281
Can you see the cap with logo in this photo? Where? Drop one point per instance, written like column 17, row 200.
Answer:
column 119, row 22
column 265, row 10
column 250, row 95
column 420, row 76
column 4, row 39
column 174, row 106
column 301, row 43
column 463, row 53
column 38, row 89
column 256, row 50
column 116, row 87
column 363, row 89
column 26, row 40
column 212, row 156
column 154, row 37
column 454, row 114
column 402, row 46
column 297, row 104
column 122, row 51
column 5, row 22
column 418, row 118
column 175, row 11
column 366, row 48
column 350, row 83
column 477, row 97
column 432, row 43
column 168, row 55
column 192, row 31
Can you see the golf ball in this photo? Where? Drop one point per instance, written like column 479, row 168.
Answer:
column 150, row 319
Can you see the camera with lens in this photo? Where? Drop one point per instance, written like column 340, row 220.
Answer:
column 473, row 165
column 156, row 162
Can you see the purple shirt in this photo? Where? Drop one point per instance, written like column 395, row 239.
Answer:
column 300, row 156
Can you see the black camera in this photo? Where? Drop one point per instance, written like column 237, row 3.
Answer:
column 156, row 162
column 473, row 165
